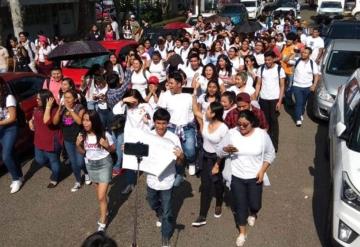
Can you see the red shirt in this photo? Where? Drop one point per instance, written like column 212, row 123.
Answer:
column 232, row 117
column 45, row 135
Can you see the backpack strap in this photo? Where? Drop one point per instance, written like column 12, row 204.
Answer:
column 144, row 74
column 263, row 67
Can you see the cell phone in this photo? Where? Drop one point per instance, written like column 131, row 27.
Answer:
column 188, row 90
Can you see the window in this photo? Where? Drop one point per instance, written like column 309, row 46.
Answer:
column 354, row 140
column 87, row 63
column 26, row 87
column 343, row 63
column 351, row 98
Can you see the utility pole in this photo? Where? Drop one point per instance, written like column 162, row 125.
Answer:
column 16, row 16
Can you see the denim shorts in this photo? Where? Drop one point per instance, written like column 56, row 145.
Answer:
column 100, row 171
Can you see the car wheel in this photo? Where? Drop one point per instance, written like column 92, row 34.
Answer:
column 357, row 16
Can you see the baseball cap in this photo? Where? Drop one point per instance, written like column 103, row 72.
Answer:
column 243, row 97
column 132, row 16
column 153, row 80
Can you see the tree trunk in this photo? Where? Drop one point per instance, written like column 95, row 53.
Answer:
column 16, row 16
column 2, row 42
column 86, row 17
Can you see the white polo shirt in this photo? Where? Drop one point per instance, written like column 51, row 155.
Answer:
column 315, row 44
column 270, row 82
column 190, row 73
column 303, row 74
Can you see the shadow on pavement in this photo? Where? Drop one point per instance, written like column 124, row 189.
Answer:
column 321, row 174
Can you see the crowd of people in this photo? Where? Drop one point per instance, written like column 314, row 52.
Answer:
column 214, row 93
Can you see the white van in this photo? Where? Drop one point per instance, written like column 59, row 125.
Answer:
column 253, row 7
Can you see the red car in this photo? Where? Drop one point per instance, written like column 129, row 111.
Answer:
column 77, row 68
column 24, row 86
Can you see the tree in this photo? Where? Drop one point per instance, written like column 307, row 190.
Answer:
column 86, row 16
column 16, row 16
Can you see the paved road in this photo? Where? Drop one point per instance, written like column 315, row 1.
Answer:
column 294, row 208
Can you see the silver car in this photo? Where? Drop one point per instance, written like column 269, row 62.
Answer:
column 344, row 136
column 341, row 59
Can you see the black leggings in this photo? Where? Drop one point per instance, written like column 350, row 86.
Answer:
column 209, row 184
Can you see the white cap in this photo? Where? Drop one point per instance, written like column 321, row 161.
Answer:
column 132, row 16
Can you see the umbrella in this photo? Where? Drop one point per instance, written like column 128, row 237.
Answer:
column 175, row 60
column 176, row 25
column 77, row 49
column 248, row 27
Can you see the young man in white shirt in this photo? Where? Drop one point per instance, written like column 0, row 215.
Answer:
column 306, row 77
column 316, row 43
column 181, row 123
column 270, row 89
column 192, row 69
column 159, row 189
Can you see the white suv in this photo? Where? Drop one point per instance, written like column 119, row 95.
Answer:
column 344, row 135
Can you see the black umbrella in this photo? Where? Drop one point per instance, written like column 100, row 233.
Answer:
column 175, row 60
column 77, row 49
column 248, row 27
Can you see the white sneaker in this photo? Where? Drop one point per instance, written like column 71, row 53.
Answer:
column 298, row 123
column 158, row 223
column 302, row 118
column 15, row 186
column 101, row 227
column 192, row 169
column 76, row 187
column 127, row 189
column 87, row 179
column 240, row 241
column 251, row 220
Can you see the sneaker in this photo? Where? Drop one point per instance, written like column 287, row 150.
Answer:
column 298, row 123
column 87, row 179
column 251, row 220
column 218, row 211
column 178, row 180
column 302, row 118
column 192, row 169
column 165, row 242
column 101, row 227
column 15, row 186
column 158, row 223
column 52, row 185
column 128, row 189
column 240, row 241
column 76, row 187
column 200, row 221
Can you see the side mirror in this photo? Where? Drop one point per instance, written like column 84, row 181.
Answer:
column 340, row 129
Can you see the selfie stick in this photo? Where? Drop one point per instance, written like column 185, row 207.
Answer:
column 134, row 244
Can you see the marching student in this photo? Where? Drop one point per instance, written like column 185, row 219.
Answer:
column 97, row 145
column 159, row 189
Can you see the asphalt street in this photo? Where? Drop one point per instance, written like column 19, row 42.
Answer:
column 294, row 209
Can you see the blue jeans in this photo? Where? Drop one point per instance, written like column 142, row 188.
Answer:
column 76, row 159
column 161, row 202
column 301, row 97
column 8, row 136
column 53, row 158
column 119, row 140
column 289, row 88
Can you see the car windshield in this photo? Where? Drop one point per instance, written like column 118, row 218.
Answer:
column 330, row 5
column 232, row 9
column 354, row 140
column 249, row 4
column 87, row 63
column 344, row 32
column 343, row 63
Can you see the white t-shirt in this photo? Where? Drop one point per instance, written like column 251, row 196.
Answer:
column 95, row 151
column 190, row 73
column 315, row 44
column 204, row 82
column 204, row 104
column 167, row 178
column 179, row 106
column 260, row 59
column 158, row 70
column 303, row 74
column 10, row 102
column 212, row 140
column 247, row 89
column 270, row 85
column 237, row 62
column 139, row 82
column 101, row 91
column 252, row 151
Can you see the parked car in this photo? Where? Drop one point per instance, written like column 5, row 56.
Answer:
column 341, row 29
column 344, row 137
column 253, row 7
column 332, row 9
column 283, row 5
column 24, row 86
column 341, row 59
column 77, row 68
column 236, row 11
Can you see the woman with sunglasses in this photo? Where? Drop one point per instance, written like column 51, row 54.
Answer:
column 251, row 152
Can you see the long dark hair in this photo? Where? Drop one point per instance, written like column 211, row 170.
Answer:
column 71, row 84
column 96, row 125
column 136, row 94
column 44, row 95
column 228, row 64
column 215, row 76
column 253, row 59
column 218, row 93
column 4, row 92
column 218, row 109
column 93, row 69
column 250, row 116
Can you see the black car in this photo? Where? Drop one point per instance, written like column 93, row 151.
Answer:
column 341, row 29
